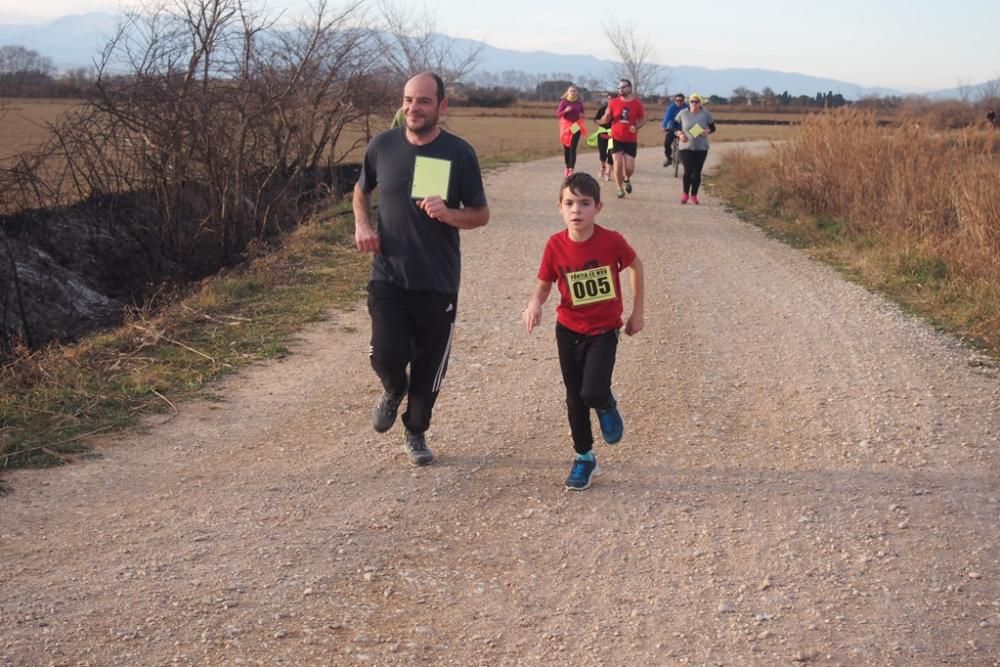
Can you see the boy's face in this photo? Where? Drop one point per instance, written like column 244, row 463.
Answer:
column 578, row 210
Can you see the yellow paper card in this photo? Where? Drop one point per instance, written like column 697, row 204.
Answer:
column 430, row 177
column 696, row 130
column 574, row 128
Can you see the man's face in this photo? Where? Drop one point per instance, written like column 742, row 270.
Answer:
column 679, row 100
column 624, row 89
column 420, row 104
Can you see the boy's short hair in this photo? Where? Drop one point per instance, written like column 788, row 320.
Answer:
column 582, row 183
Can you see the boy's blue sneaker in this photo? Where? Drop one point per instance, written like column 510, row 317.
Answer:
column 579, row 476
column 612, row 427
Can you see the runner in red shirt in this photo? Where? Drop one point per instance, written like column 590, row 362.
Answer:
column 585, row 260
column 626, row 115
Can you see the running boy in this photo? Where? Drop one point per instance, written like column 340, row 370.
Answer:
column 585, row 260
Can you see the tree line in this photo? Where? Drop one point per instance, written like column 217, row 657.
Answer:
column 26, row 73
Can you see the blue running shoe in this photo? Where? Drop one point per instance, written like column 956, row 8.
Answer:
column 579, row 476
column 610, row 419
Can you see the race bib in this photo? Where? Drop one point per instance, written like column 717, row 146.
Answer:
column 591, row 286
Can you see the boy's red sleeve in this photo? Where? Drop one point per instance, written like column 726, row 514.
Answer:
column 546, row 270
column 626, row 253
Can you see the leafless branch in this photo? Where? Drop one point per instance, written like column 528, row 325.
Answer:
column 636, row 56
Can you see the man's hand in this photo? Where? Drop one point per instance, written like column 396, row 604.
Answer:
column 365, row 238
column 434, row 207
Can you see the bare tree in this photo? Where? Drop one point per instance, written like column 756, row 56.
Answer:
column 636, row 57
column 220, row 117
column 411, row 44
column 206, row 129
column 989, row 92
column 15, row 59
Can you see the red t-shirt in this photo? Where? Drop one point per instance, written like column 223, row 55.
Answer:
column 624, row 115
column 587, row 276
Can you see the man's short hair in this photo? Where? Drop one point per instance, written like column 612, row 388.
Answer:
column 582, row 183
column 438, row 81
column 626, row 82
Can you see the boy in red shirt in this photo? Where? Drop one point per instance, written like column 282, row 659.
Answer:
column 585, row 260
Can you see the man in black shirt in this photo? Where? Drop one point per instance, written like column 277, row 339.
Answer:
column 430, row 187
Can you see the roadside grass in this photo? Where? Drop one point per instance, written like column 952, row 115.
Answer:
column 907, row 213
column 53, row 399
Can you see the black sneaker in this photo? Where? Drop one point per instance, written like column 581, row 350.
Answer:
column 384, row 412
column 416, row 448
column 628, row 187
column 580, row 475
column 666, row 163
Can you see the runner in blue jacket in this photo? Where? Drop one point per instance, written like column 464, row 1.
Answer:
column 669, row 125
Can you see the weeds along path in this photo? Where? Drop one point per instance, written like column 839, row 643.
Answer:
column 807, row 476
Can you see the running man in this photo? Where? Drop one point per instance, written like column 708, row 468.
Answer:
column 670, row 126
column 430, row 187
column 626, row 115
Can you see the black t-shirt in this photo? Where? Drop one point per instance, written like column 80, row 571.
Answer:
column 600, row 114
column 418, row 252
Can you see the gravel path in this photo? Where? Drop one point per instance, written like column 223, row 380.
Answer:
column 807, row 476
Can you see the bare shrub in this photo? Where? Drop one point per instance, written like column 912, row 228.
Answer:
column 208, row 128
column 218, row 117
column 927, row 199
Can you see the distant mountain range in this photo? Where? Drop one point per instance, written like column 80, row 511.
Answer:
column 682, row 78
column 75, row 41
column 70, row 42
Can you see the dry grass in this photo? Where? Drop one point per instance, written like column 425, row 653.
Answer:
column 525, row 131
column 52, row 399
column 25, row 122
column 910, row 212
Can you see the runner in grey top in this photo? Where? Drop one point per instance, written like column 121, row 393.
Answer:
column 688, row 118
column 696, row 124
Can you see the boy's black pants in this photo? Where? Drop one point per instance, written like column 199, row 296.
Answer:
column 587, row 363
column 415, row 329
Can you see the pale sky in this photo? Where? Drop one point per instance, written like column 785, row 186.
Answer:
column 911, row 45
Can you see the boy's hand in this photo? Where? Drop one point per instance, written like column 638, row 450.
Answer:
column 634, row 324
column 532, row 316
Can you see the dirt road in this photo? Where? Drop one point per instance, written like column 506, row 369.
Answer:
column 807, row 476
